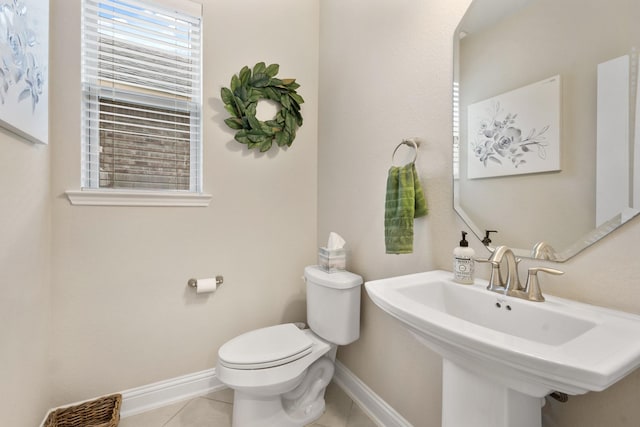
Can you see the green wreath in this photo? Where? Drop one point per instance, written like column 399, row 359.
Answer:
column 247, row 88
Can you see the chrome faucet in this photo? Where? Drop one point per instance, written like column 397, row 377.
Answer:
column 510, row 285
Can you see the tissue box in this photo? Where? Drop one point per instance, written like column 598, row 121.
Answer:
column 332, row 260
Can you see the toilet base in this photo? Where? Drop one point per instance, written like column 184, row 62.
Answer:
column 296, row 408
column 252, row 411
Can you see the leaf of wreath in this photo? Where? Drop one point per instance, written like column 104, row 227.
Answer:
column 250, row 86
column 272, row 70
column 234, row 123
column 226, row 95
column 254, row 122
column 285, row 101
column 259, row 68
column 245, row 74
column 282, row 138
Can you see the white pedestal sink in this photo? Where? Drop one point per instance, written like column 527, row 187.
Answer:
column 501, row 354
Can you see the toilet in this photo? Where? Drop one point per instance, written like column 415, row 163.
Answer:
column 279, row 373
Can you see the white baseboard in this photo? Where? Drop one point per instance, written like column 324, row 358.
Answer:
column 163, row 393
column 376, row 409
column 152, row 396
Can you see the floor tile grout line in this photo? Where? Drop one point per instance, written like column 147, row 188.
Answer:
column 215, row 400
column 186, row 403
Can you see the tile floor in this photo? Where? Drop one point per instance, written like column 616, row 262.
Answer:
column 214, row 410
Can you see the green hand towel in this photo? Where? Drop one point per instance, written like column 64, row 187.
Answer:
column 405, row 201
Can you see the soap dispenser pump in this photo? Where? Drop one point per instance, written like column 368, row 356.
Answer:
column 463, row 262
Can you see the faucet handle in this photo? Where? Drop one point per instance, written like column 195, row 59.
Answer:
column 532, row 287
column 495, row 280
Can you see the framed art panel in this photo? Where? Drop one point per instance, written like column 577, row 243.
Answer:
column 24, row 51
column 517, row 132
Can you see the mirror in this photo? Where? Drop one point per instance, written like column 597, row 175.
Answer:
column 545, row 117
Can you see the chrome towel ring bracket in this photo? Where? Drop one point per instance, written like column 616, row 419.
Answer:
column 411, row 142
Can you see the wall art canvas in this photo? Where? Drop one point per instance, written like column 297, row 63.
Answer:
column 517, row 132
column 24, row 62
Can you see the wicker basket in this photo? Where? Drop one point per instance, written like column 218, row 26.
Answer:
column 102, row 412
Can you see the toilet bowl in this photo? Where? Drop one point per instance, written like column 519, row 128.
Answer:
column 279, row 373
column 283, row 390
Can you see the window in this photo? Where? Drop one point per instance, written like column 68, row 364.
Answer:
column 141, row 107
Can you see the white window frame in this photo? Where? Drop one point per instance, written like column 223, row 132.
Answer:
column 89, row 194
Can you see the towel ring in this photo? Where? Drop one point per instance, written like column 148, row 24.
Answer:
column 410, row 142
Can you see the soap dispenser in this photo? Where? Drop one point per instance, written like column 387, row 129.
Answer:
column 463, row 262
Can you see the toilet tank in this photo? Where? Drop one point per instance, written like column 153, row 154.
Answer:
column 333, row 304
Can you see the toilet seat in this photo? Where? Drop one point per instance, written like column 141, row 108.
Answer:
column 265, row 348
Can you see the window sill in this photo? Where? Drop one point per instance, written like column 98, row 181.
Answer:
column 92, row 197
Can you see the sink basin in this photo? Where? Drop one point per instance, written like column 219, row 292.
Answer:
column 517, row 319
column 519, row 348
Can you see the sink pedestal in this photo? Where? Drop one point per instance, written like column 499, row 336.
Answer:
column 469, row 399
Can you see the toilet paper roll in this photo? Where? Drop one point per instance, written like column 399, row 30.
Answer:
column 207, row 285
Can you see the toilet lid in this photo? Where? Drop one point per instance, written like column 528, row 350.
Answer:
column 265, row 348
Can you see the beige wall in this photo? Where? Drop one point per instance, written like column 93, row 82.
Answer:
column 385, row 75
column 123, row 316
column 25, row 244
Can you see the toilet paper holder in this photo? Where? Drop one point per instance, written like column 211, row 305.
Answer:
column 193, row 283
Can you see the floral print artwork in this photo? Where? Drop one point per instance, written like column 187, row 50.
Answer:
column 19, row 66
column 499, row 140
column 23, row 62
column 516, row 132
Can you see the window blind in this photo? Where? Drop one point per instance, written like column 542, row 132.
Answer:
column 456, row 130
column 141, row 81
